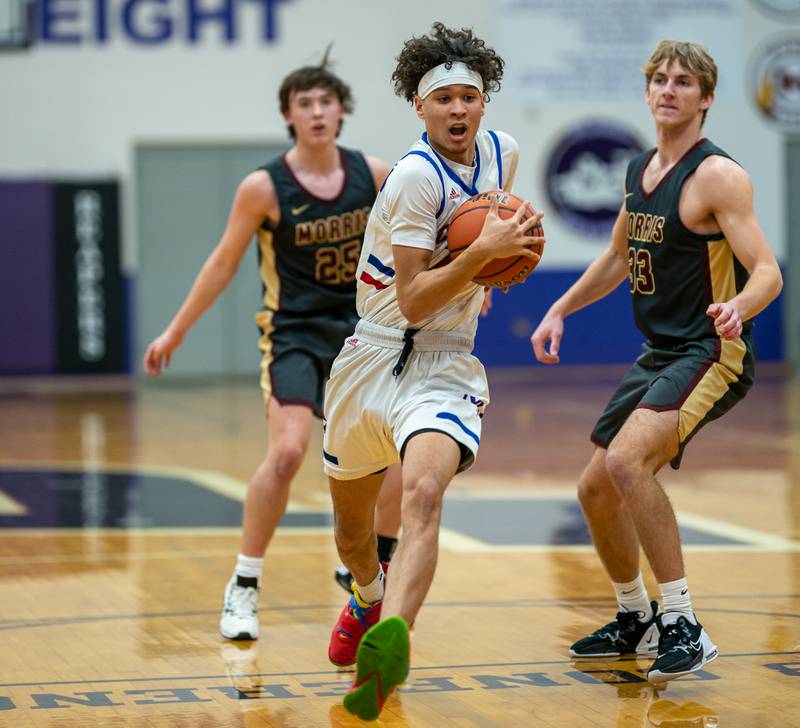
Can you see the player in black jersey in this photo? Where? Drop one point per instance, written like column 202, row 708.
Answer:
column 309, row 209
column 699, row 270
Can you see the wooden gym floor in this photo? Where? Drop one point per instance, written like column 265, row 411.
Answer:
column 119, row 505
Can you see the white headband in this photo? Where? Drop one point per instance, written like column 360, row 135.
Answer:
column 441, row 75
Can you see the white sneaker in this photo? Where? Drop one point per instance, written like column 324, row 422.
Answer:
column 239, row 620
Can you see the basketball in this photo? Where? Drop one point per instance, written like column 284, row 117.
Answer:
column 466, row 225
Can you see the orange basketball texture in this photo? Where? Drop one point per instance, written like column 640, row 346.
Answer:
column 467, row 223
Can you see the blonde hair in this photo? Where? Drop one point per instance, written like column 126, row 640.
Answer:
column 692, row 56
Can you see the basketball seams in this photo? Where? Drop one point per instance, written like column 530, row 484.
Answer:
column 479, row 207
column 456, row 251
column 496, row 273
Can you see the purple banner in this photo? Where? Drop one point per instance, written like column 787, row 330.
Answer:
column 27, row 288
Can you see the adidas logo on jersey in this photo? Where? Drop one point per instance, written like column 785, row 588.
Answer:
column 454, row 194
column 351, row 342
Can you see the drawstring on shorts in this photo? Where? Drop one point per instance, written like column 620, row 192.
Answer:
column 408, row 345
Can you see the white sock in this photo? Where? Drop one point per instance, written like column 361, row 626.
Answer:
column 372, row 592
column 632, row 597
column 677, row 601
column 249, row 566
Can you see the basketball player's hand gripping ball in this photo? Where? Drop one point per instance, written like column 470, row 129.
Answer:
column 467, row 223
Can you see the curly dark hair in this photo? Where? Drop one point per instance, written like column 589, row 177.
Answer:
column 308, row 77
column 445, row 45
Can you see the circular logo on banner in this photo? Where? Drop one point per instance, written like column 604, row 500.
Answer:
column 781, row 7
column 585, row 175
column 776, row 75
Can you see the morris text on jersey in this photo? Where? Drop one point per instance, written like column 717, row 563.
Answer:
column 645, row 228
column 332, row 229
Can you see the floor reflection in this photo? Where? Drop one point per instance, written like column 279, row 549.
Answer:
column 667, row 714
column 640, row 704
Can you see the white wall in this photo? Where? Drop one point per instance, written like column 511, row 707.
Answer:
column 80, row 109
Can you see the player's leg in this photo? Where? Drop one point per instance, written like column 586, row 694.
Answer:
column 289, row 431
column 387, row 512
column 357, row 453
column 647, row 441
column 430, row 460
column 613, row 532
column 688, row 387
column 354, row 514
column 387, row 523
column 289, row 427
column 354, row 524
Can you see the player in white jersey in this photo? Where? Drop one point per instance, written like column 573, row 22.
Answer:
column 405, row 386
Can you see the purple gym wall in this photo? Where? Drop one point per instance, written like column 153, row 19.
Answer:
column 27, row 290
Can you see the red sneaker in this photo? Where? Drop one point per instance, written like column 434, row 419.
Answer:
column 356, row 618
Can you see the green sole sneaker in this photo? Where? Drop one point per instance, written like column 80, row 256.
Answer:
column 381, row 664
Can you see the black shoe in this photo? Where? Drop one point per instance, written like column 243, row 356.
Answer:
column 344, row 578
column 683, row 648
column 626, row 635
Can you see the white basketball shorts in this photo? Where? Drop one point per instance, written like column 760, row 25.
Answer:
column 370, row 414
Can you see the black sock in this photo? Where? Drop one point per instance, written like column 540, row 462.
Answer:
column 386, row 547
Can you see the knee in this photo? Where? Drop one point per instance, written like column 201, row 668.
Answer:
column 596, row 491
column 624, row 469
column 350, row 541
column 286, row 458
column 422, row 501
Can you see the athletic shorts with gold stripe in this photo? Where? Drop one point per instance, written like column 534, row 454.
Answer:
column 702, row 380
column 298, row 352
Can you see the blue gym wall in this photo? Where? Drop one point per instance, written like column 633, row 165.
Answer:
column 603, row 333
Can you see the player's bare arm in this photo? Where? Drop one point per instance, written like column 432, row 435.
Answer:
column 422, row 291
column 727, row 191
column 255, row 201
column 597, row 281
column 379, row 169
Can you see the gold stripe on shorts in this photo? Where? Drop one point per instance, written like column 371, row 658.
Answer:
column 272, row 290
column 715, row 382
column 264, row 320
column 712, row 386
column 269, row 271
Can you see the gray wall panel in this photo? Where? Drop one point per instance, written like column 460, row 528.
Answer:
column 184, row 196
column 792, row 283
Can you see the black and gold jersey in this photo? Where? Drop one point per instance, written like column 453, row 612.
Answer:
column 308, row 260
column 674, row 273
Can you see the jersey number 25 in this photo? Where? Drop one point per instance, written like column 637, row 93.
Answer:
column 337, row 264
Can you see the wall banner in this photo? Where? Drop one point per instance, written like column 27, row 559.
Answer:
column 89, row 297
column 584, row 50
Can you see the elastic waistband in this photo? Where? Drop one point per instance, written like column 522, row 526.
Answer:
column 423, row 340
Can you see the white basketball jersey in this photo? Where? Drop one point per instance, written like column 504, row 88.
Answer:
column 413, row 209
